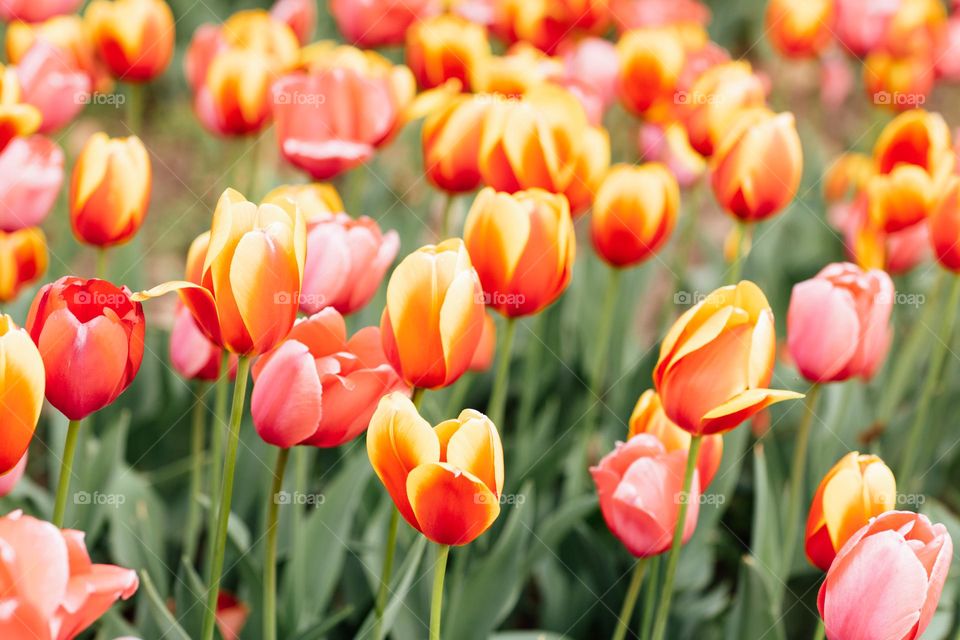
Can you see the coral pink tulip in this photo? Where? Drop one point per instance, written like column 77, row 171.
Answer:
column 35, row 10
column 886, row 580
column 374, row 23
column 53, row 84
column 640, row 489
column 594, row 63
column 299, row 15
column 346, row 261
column 31, row 173
column 317, row 387
column 838, row 323
column 192, row 353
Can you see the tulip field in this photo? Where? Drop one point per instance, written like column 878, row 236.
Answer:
column 479, row 319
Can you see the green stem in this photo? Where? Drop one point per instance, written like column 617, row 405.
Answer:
column 436, row 602
column 531, row 373
column 66, row 470
column 630, row 601
column 417, row 396
column 820, row 631
column 446, row 218
column 650, row 598
column 134, row 109
column 226, row 496
column 102, row 263
column 270, row 552
column 743, row 229
column 216, row 447
column 663, row 610
column 498, row 397
column 918, row 428
column 381, row 601
column 196, row 471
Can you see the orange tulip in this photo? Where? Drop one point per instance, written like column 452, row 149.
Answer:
column 256, row 30
column 134, row 37
column 234, row 99
column 23, row 259
column 651, row 61
column 634, row 213
column 245, row 275
column 548, row 23
column 897, row 83
column 109, row 190
column 445, row 481
column 591, row 166
column 799, row 28
column 433, row 320
column 717, row 360
column 16, row 118
column 914, row 159
column 857, row 488
column 848, row 174
column 445, row 47
column 451, row 143
column 522, row 246
column 944, row 224
column 316, row 200
column 21, row 392
column 715, row 99
column 648, row 417
column 756, row 169
column 514, row 74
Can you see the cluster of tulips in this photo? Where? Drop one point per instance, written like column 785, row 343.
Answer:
column 267, row 290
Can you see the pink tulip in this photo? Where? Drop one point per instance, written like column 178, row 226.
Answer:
column 838, row 323
column 861, row 25
column 192, row 353
column 671, row 147
column 374, row 23
column 948, row 60
column 53, row 84
column 206, row 42
column 346, row 262
column 65, row 593
column 886, row 580
column 901, row 250
column 593, row 62
column 639, row 485
column 31, row 172
column 636, row 14
column 836, row 80
column 10, row 479
column 231, row 615
column 299, row 15
column 35, row 10
column 318, row 388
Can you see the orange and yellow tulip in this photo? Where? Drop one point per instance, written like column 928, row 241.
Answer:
column 133, row 37
column 521, row 69
column 109, row 190
column 591, row 166
column 23, row 259
column 317, row 200
column 799, row 28
column 17, row 118
column 717, row 360
column 715, row 99
column 451, row 143
column 522, row 246
column 22, row 383
column 446, row 481
column 433, row 320
column 256, row 30
column 897, row 83
column 234, row 98
column 651, row 61
column 244, row 276
column 634, row 213
column 445, row 47
column 859, row 487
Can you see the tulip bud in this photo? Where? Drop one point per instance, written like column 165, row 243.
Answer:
column 857, row 488
column 451, row 144
column 109, row 190
column 651, row 61
column 445, row 481
column 445, row 47
column 134, row 37
column 90, row 335
column 23, row 259
column 799, row 28
column 717, row 360
column 634, row 213
column 17, row 118
column 887, row 580
column 838, row 323
column 715, row 100
column 433, row 320
column 21, row 392
column 944, row 224
column 31, row 172
column 234, row 98
column 522, row 246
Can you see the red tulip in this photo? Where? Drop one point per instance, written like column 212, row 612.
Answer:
column 374, row 23
column 31, row 173
column 90, row 336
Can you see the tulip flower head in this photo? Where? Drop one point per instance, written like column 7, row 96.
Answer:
column 799, row 28
column 858, row 488
column 90, row 335
column 887, row 579
column 451, row 143
column 319, row 388
column 133, row 37
column 445, row 47
column 110, row 190
column 17, row 118
column 717, row 360
column 838, row 323
column 446, row 481
column 192, row 354
column 31, row 173
column 70, row 36
column 235, row 97
column 715, row 100
column 944, row 226
column 317, row 201
column 31, row 11
column 522, row 246
column 374, row 23
column 640, row 488
column 651, row 61
column 21, row 392
column 23, row 259
column 54, row 84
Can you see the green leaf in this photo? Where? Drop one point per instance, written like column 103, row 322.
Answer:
column 159, row 610
column 400, row 585
column 528, row 635
column 190, row 598
column 136, row 525
column 752, row 615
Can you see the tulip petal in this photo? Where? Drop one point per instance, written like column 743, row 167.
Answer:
column 452, row 506
column 287, row 396
column 475, row 447
column 742, row 406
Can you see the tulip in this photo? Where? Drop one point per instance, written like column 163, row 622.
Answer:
column 234, row 98
column 483, row 356
column 648, row 417
column 445, row 481
column 715, row 100
column 887, row 579
column 299, row 15
column 259, row 31
column 514, row 74
column 593, row 62
column 53, row 84
column 317, row 200
column 897, row 83
column 133, row 37
column 944, row 226
column 192, row 354
column 10, row 480
column 589, row 170
column 23, row 259
column 522, row 246
column 68, row 595
column 871, row 247
column 838, row 323
column 433, row 318
column 67, row 33
column 445, row 47
column 374, row 23
column 27, row 11
column 671, row 146
column 651, row 61
column 451, row 143
column 861, row 26
column 546, row 24
column 717, row 360
column 799, row 29
column 17, row 118
column 634, row 213
column 31, row 172
column 21, row 392
column 231, row 612
column 317, row 387
column 858, row 488
column 346, row 261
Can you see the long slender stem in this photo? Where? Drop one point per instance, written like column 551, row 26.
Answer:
column 102, row 263
column 197, row 439
column 650, row 598
column 820, row 631
column 630, row 601
column 381, row 602
column 134, row 108
column 66, row 470
column 743, row 240
column 216, row 448
column 918, row 428
column 226, row 496
column 270, row 552
column 498, row 397
column 446, row 215
column 663, row 610
column 436, row 602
